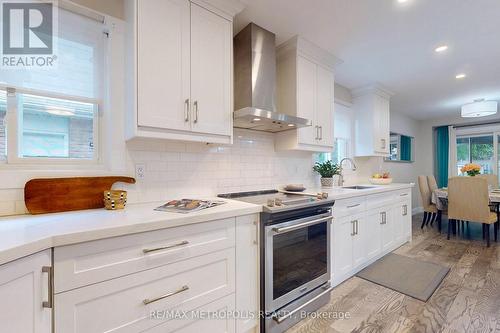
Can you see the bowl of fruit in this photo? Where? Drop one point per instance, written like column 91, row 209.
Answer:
column 381, row 178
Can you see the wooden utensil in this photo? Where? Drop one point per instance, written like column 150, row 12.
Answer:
column 53, row 195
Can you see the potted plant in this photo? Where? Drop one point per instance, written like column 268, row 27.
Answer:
column 327, row 170
column 471, row 169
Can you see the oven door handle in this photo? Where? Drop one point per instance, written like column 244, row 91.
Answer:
column 282, row 230
column 279, row 319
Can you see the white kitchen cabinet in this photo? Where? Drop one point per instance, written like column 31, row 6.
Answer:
column 359, row 248
column 163, row 64
column 305, row 88
column 181, row 55
column 366, row 228
column 402, row 220
column 26, row 300
column 247, row 272
column 386, row 222
column 211, row 68
column 371, row 106
column 125, row 304
column 342, row 255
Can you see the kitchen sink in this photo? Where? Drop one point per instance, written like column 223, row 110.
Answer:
column 358, row 187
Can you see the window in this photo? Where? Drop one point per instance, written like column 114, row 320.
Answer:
column 343, row 135
column 476, row 149
column 53, row 112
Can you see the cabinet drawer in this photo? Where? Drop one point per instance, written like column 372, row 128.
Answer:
column 379, row 200
column 403, row 194
column 193, row 325
column 87, row 263
column 345, row 207
column 120, row 305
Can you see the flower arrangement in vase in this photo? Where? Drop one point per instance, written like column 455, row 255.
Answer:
column 471, row 169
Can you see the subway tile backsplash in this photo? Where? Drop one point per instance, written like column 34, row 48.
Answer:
column 187, row 169
column 177, row 169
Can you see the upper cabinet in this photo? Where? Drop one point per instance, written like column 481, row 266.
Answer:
column 305, row 88
column 371, row 106
column 181, row 53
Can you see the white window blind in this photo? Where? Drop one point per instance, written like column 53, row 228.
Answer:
column 80, row 59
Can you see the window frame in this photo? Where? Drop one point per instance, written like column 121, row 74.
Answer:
column 478, row 131
column 14, row 132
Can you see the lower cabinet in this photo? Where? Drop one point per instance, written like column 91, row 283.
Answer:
column 163, row 281
column 378, row 226
column 26, row 301
column 247, row 273
column 125, row 304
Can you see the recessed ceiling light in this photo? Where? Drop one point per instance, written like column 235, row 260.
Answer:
column 256, row 119
column 402, row 1
column 441, row 48
column 291, row 125
column 460, row 76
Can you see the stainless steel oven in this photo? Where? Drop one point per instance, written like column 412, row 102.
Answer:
column 298, row 259
column 296, row 263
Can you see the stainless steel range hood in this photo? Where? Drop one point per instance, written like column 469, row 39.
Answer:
column 255, row 83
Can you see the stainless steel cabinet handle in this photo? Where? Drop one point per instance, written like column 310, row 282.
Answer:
column 382, row 143
column 317, row 132
column 301, row 225
column 356, row 205
column 195, row 106
column 383, row 215
column 403, row 195
column 280, row 319
column 357, row 227
column 405, row 210
column 321, row 132
column 186, row 110
column 353, row 223
column 149, row 301
column 165, row 247
column 49, row 302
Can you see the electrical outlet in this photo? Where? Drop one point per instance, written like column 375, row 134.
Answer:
column 140, row 171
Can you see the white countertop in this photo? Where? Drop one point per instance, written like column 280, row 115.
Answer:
column 27, row 234
column 339, row 193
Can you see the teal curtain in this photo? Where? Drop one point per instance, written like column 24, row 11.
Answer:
column 442, row 155
column 405, row 148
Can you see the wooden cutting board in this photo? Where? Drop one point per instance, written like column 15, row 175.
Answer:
column 53, row 195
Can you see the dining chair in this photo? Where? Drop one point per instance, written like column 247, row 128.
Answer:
column 468, row 200
column 430, row 210
column 491, row 179
column 431, row 180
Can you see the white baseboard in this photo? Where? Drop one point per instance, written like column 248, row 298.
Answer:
column 417, row 210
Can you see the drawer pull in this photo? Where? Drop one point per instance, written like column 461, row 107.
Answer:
column 50, row 273
column 403, row 195
column 165, row 247
column 149, row 301
column 356, row 205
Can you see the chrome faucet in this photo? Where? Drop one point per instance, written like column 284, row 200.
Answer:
column 341, row 175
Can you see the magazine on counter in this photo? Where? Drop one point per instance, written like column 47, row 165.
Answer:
column 185, row 206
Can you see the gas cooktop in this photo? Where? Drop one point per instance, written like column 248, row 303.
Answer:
column 275, row 201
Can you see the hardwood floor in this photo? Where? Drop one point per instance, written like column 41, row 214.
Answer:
column 468, row 300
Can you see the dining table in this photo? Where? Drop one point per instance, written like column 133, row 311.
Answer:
column 440, row 199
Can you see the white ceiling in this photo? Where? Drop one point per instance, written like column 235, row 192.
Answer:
column 392, row 43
